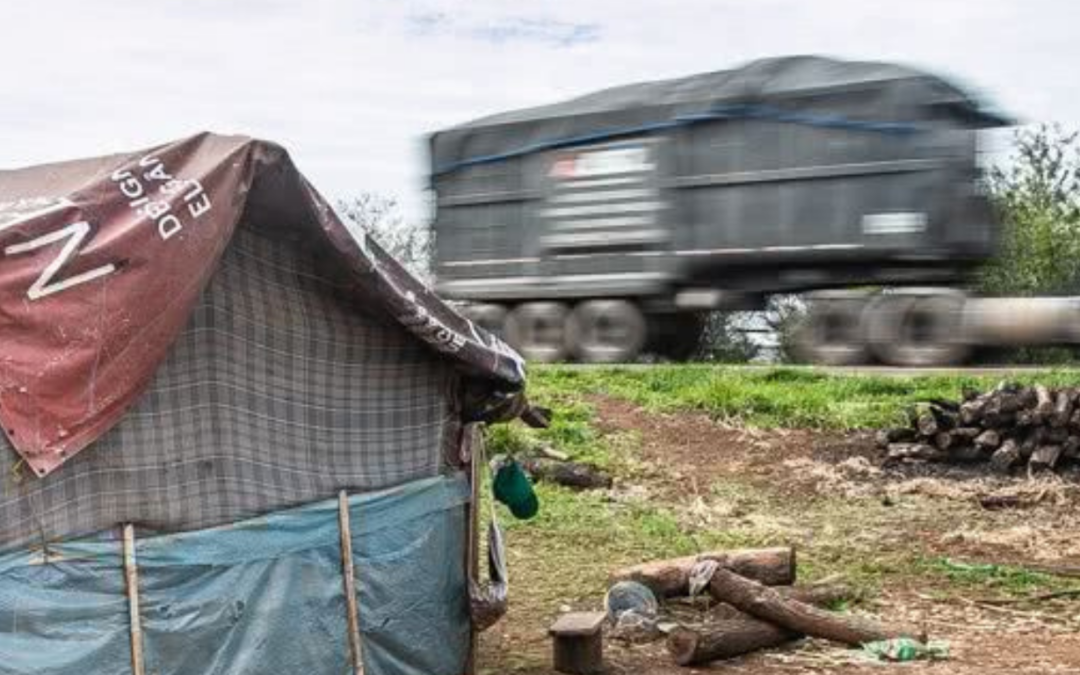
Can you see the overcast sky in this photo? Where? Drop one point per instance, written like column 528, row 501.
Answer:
column 352, row 86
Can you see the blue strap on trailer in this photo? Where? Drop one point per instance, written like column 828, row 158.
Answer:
column 717, row 113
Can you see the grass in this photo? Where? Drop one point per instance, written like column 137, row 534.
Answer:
column 769, row 397
column 564, row 555
column 1003, row 579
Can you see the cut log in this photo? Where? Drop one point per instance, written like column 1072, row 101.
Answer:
column 928, row 425
column 943, row 440
column 1006, row 457
column 966, row 454
column 1055, row 436
column 988, row 440
column 913, row 451
column 737, row 633
column 946, row 419
column 1044, row 403
column 966, row 433
column 671, row 578
column 552, row 453
column 568, row 474
column 998, row 420
column 766, row 604
column 724, row 640
column 897, row 435
column 1063, row 409
column 1071, row 448
column 971, row 411
column 1044, row 458
column 1033, row 440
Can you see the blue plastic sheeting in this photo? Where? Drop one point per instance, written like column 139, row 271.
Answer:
column 262, row 596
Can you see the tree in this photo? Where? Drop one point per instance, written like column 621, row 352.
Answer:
column 1037, row 196
column 725, row 339
column 769, row 334
column 379, row 217
column 783, row 315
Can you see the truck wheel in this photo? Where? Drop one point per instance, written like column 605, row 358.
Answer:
column 491, row 318
column 675, row 336
column 537, row 330
column 918, row 330
column 832, row 333
column 606, row 331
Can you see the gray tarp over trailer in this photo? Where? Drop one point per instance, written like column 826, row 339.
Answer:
column 231, row 370
column 721, row 179
column 651, row 106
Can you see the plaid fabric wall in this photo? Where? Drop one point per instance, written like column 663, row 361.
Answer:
column 281, row 390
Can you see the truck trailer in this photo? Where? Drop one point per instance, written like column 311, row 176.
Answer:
column 608, row 225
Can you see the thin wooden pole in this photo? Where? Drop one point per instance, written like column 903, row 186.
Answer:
column 472, row 531
column 131, row 578
column 352, row 613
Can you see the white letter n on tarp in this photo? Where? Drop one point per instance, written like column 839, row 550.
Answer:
column 45, row 285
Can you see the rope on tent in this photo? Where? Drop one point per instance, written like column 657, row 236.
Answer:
column 352, row 613
column 131, row 579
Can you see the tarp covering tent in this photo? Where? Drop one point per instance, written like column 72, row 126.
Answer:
column 193, row 342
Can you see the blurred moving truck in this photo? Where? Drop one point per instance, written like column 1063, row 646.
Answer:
column 608, row 225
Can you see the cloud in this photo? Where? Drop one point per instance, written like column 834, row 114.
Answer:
column 353, row 88
column 506, row 29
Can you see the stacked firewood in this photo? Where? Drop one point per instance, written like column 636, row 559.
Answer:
column 763, row 609
column 1008, row 428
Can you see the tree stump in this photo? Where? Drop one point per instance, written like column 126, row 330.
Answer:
column 578, row 643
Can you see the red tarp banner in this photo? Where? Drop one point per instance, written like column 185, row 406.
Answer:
column 102, row 261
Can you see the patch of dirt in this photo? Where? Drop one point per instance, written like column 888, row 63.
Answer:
column 935, row 509
column 806, row 462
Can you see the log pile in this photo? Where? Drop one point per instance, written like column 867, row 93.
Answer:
column 1009, row 429
column 761, row 609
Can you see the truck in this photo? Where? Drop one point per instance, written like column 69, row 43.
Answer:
column 609, row 225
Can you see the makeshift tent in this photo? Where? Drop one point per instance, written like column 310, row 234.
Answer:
column 195, row 344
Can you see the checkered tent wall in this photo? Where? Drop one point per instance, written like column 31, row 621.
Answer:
column 283, row 388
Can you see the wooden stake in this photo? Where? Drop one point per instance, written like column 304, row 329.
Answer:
column 472, row 530
column 131, row 579
column 352, row 614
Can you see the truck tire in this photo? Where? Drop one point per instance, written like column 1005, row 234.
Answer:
column 918, row 330
column 832, row 333
column 490, row 317
column 675, row 336
column 537, row 330
column 606, row 331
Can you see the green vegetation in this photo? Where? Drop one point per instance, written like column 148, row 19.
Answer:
column 1037, row 195
column 1000, row 578
column 766, row 397
column 564, row 555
